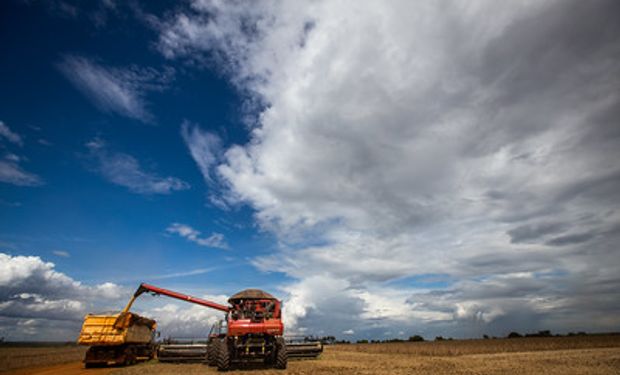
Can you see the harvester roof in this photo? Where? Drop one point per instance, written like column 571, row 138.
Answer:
column 251, row 294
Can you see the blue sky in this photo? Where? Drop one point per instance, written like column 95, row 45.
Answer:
column 77, row 210
column 92, row 229
column 402, row 168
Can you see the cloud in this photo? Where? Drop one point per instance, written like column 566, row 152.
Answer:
column 6, row 133
column 32, row 291
column 12, row 173
column 443, row 141
column 124, row 170
column 205, row 148
column 10, row 170
column 215, row 240
column 61, row 253
column 185, row 319
column 118, row 90
column 38, row 302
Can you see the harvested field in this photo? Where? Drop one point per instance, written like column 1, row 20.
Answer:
column 566, row 355
column 16, row 357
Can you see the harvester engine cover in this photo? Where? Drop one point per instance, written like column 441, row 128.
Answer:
column 254, row 312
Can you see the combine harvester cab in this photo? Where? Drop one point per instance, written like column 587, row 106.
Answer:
column 118, row 339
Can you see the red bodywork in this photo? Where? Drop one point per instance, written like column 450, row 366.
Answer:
column 245, row 316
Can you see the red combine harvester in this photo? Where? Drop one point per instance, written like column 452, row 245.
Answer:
column 253, row 327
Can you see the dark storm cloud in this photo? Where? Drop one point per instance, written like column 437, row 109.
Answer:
column 570, row 239
column 527, row 233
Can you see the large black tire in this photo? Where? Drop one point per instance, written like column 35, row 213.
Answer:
column 211, row 353
column 281, row 354
column 223, row 356
column 130, row 356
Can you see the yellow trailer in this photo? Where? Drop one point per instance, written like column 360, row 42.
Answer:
column 117, row 339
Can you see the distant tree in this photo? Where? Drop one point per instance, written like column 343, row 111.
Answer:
column 362, row 341
column 486, row 337
column 326, row 340
column 514, row 335
column 570, row 334
column 545, row 333
column 439, row 338
column 415, row 338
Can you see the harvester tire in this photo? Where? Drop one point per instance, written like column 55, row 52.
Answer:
column 223, row 357
column 212, row 353
column 281, row 354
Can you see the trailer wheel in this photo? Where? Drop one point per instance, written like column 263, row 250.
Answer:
column 130, row 356
column 223, row 356
column 281, row 354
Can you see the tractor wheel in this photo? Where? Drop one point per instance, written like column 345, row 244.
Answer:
column 281, row 354
column 212, row 353
column 222, row 356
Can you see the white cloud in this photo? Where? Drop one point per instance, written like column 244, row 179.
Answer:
column 6, row 133
column 399, row 139
column 348, row 332
column 32, row 292
column 124, row 170
column 185, row 319
column 119, row 90
column 174, row 275
column 61, row 253
column 204, row 147
column 10, row 170
column 12, row 173
column 215, row 240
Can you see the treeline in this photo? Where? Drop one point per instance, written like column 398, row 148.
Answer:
column 547, row 333
column 511, row 335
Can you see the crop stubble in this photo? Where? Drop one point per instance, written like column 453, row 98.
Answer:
column 566, row 355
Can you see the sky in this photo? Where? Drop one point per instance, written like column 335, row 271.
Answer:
column 385, row 168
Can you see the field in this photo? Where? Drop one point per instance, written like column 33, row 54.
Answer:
column 16, row 357
column 566, row 355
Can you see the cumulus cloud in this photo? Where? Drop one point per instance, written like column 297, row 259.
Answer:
column 32, row 290
column 215, row 240
column 124, row 170
column 398, row 139
column 185, row 319
column 118, row 90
